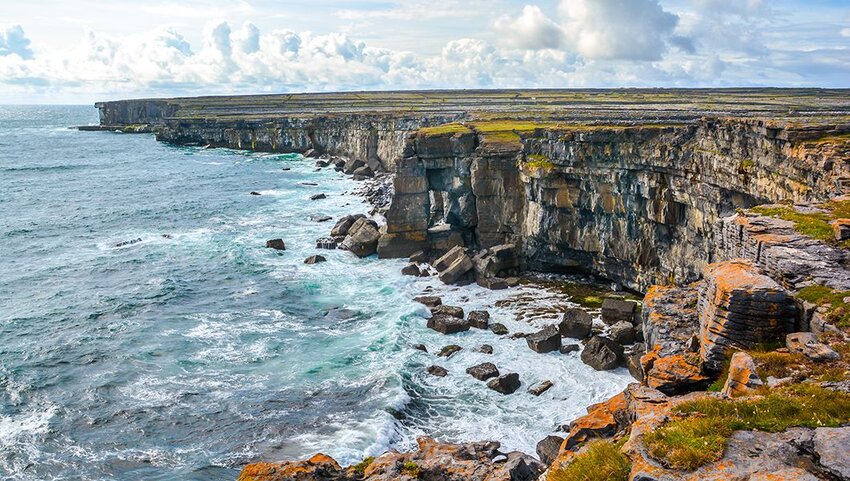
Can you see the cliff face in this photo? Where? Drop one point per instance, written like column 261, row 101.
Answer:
column 640, row 205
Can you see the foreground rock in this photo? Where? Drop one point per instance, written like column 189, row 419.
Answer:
column 742, row 379
column 576, row 323
column 447, row 324
column 806, row 343
column 276, row 244
column 602, row 354
column 483, row 371
column 432, row 461
column 362, row 238
column 545, row 340
column 315, row 260
column 453, row 265
column 505, row 384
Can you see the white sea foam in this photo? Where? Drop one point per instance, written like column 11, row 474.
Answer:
column 18, row 427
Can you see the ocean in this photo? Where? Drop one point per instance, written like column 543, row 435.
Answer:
column 196, row 350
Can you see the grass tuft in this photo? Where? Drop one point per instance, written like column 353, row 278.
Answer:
column 362, row 465
column 838, row 311
column 601, row 461
column 410, row 468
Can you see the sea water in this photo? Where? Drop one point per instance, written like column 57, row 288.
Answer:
column 196, row 350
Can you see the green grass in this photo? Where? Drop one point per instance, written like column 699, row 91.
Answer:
column 409, row 468
column 698, row 433
column 838, row 311
column 834, row 139
column 537, row 161
column 362, row 465
column 815, row 225
column 447, row 129
column 601, row 461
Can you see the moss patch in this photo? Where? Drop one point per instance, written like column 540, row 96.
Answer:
column 447, row 129
column 362, row 465
column 838, row 311
column 814, row 224
column 601, row 461
column 409, row 468
column 698, row 433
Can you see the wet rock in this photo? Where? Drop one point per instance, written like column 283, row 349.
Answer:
column 342, row 226
column 318, row 468
column 419, row 257
column 449, row 351
column 311, row 153
column 351, row 165
column 445, row 310
column 602, row 354
column 135, row 241
column 622, row 333
column 575, row 323
column 362, row 239
column 540, row 388
column 460, row 265
column 328, row 243
column 492, row 262
column 486, row 349
column 742, row 379
column 411, row 270
column 363, row 172
column 314, row 260
column 740, row 307
column 479, row 319
column 545, row 340
column 499, row 329
column 320, row 218
column 483, row 371
column 492, row 283
column 419, row 347
column 548, row 448
column 505, row 384
column 438, row 371
column 449, row 258
column 318, row 197
column 255, row 193
column 618, row 310
column 447, row 324
column 807, row 344
column 430, row 301
column 519, row 467
column 569, row 348
column 276, row 244
column 322, row 163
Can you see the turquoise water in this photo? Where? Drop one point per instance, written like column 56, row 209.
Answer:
column 197, row 350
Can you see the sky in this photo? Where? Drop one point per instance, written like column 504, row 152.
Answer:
column 63, row 51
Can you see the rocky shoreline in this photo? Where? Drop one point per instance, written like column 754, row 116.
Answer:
column 734, row 228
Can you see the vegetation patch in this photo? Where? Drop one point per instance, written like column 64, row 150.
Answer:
column 813, row 224
column 601, row 461
column 447, row 129
column 838, row 311
column 698, row 432
column 538, row 162
column 410, row 468
column 362, row 465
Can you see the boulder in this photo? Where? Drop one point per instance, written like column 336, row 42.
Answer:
column 351, row 165
column 548, row 449
column 742, row 379
column 320, row 218
column 602, row 354
column 430, row 301
column 419, row 347
column 545, row 340
column 447, row 324
column 740, row 307
column 449, row 351
column 326, row 243
column 318, row 197
column 622, row 332
column 276, row 244
column 456, row 270
column 807, row 344
column 364, row 171
column 411, row 270
column 314, row 260
column 494, row 261
column 617, row 310
column 311, row 153
column 575, row 323
column 674, row 374
column 449, row 258
column 255, row 193
column 322, row 163
column 419, row 257
column 486, row 349
column 841, row 229
column 492, row 283
column 499, row 329
column 438, row 371
column 540, row 388
column 831, row 446
column 362, row 239
column 342, row 226
column 505, row 384
column 479, row 319
column 445, row 310
column 568, row 348
column 318, row 468
column 601, row 421
column 483, row 371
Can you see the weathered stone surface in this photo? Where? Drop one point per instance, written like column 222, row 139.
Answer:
column 315, row 260
column 576, row 323
column 342, row 226
column 318, row 468
column 326, row 243
column 437, row 371
column 675, row 375
column 449, row 351
column 546, row 340
column 479, row 319
column 318, row 196
column 411, row 270
column 807, row 344
column 449, row 258
column 622, row 333
column 540, row 388
column 831, row 447
column 669, row 318
column 400, row 245
column 570, row 348
column 486, row 349
column 419, row 347
column 602, row 420
column 499, row 329
column 740, row 307
column 548, row 448
column 483, row 371
column 456, row 269
column 602, row 354
column 841, row 229
column 447, row 324
column 429, row 301
column 742, row 379
column 419, row 257
column 617, row 310
column 495, row 261
column 362, row 238
column 505, row 384
column 442, row 309
column 276, row 244
column 320, row 218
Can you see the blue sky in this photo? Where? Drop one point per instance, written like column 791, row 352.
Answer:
column 55, row 51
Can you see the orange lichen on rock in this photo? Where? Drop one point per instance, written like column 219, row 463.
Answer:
column 675, row 374
column 602, row 420
column 315, row 468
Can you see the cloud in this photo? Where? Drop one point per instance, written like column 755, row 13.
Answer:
column 618, row 29
column 13, row 41
column 845, row 32
column 532, row 30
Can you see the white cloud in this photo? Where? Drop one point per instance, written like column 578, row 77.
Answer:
column 532, row 30
column 13, row 41
column 618, row 29
column 845, row 32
